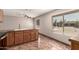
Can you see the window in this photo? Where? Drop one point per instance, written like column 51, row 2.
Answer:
column 38, row 22
column 57, row 24
column 67, row 24
column 71, row 24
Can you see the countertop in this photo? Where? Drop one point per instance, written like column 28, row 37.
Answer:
column 3, row 32
column 75, row 38
column 20, row 29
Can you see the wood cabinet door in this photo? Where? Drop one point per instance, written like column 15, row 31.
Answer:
column 74, row 45
column 27, row 36
column 18, row 37
column 34, row 34
column 37, row 35
column 10, row 38
column 1, row 15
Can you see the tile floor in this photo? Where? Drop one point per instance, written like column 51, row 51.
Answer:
column 45, row 44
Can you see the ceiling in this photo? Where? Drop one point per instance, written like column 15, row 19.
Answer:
column 21, row 12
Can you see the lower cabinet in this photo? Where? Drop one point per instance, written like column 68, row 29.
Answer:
column 34, row 35
column 18, row 37
column 27, row 36
column 30, row 35
column 74, row 44
column 10, row 39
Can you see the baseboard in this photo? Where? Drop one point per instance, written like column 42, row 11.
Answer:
column 53, row 39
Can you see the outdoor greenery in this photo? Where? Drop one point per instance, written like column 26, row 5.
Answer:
column 66, row 23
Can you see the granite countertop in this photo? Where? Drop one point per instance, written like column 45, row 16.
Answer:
column 3, row 32
column 75, row 38
column 22, row 29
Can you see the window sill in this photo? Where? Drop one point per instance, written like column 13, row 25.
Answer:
column 65, row 34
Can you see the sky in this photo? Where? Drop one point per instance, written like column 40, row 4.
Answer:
column 72, row 17
column 69, row 17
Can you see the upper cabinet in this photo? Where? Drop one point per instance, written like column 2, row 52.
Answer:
column 1, row 15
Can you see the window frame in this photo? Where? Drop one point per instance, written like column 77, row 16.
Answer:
column 63, row 14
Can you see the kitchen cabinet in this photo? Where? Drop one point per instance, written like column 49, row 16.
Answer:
column 30, row 35
column 1, row 43
column 1, row 15
column 27, row 36
column 18, row 37
column 9, row 40
column 74, row 44
column 34, row 34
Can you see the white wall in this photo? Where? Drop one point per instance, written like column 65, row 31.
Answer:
column 46, row 25
column 11, row 22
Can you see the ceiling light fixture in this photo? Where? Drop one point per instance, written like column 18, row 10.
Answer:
column 25, row 13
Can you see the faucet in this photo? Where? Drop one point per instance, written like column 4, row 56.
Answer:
column 19, row 26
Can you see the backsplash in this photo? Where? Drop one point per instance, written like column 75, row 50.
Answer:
column 10, row 23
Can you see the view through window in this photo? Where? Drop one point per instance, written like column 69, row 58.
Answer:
column 57, row 24
column 67, row 24
column 38, row 23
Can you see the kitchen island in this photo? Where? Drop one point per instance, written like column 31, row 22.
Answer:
column 16, row 37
